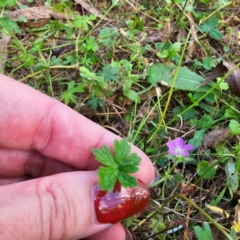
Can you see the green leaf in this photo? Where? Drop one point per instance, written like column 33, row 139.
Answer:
column 177, row 178
column 230, row 113
column 234, row 127
column 215, row 34
column 10, row 25
column 209, row 25
column 105, row 157
column 91, row 76
column 131, row 94
column 106, row 36
column 22, row 19
column 118, row 167
column 130, row 163
column 94, row 102
column 127, row 180
column 203, row 233
column 108, row 178
column 69, row 95
column 232, row 176
column 121, row 149
column 84, row 21
column 55, row 61
column 206, row 122
column 205, row 170
column 197, row 138
column 186, row 79
column 109, row 73
column 191, row 114
column 8, row 3
column 91, row 44
column 71, row 59
column 208, row 63
column 173, row 50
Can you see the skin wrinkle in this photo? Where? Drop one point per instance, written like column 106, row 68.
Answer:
column 60, row 212
column 57, row 214
column 45, row 128
column 48, row 209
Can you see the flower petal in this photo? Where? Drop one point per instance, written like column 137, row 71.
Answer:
column 171, row 151
column 179, row 142
column 171, row 144
column 185, row 153
column 188, row 147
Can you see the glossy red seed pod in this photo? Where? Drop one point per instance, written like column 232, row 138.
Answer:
column 121, row 203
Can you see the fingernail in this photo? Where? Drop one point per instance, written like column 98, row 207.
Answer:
column 121, row 203
column 128, row 234
column 156, row 177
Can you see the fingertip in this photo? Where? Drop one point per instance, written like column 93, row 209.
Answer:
column 147, row 170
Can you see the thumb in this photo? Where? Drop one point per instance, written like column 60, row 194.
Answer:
column 54, row 207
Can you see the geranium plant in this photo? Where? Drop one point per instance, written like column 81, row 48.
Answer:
column 118, row 195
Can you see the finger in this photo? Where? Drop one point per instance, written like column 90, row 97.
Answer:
column 116, row 232
column 7, row 181
column 31, row 120
column 60, row 206
column 19, row 163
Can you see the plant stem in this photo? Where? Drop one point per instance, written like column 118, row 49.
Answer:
column 210, row 219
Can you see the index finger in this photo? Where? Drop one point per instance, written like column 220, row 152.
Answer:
column 32, row 120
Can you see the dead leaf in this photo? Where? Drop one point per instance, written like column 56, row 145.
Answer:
column 4, row 41
column 216, row 136
column 233, row 80
column 234, row 222
column 187, row 189
column 36, row 24
column 92, row 9
column 218, row 211
column 34, row 13
column 191, row 46
column 152, row 37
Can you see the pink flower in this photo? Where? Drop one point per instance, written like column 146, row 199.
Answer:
column 178, row 148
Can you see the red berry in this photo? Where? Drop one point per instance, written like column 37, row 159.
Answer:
column 112, row 207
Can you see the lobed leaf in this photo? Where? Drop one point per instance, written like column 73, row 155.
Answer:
column 131, row 163
column 127, row 180
column 108, row 178
column 121, row 149
column 105, row 157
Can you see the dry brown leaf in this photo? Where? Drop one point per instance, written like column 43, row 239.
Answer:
column 187, row 189
column 92, row 9
column 36, row 24
column 4, row 41
column 152, row 37
column 233, row 80
column 34, row 13
column 215, row 137
column 194, row 38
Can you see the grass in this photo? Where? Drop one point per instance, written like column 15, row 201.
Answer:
column 116, row 72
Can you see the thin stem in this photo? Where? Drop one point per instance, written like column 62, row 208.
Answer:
column 210, row 219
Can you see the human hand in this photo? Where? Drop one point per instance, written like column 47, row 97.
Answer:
column 47, row 168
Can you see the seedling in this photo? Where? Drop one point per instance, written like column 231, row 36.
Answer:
column 118, row 166
column 118, row 195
